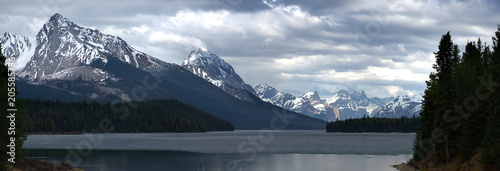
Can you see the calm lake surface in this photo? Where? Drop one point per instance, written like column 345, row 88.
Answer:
column 214, row 151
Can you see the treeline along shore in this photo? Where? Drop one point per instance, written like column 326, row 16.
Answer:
column 367, row 124
column 56, row 117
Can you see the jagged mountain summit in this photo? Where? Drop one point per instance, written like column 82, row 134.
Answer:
column 309, row 104
column 64, row 50
column 322, row 110
column 70, row 62
column 19, row 47
column 269, row 94
column 353, row 104
column 215, row 70
column 401, row 106
column 342, row 105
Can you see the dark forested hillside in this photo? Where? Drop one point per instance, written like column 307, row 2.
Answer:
column 147, row 116
column 461, row 107
column 403, row 124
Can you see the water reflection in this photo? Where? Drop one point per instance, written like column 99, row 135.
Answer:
column 104, row 160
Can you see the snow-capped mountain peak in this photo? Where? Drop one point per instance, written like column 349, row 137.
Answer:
column 343, row 95
column 62, row 45
column 58, row 20
column 344, row 104
column 11, row 39
column 402, row 105
column 214, row 69
column 269, row 94
column 63, row 51
column 195, row 54
column 19, row 47
column 312, row 96
column 309, row 104
column 203, row 58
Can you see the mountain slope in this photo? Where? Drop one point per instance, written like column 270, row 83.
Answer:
column 65, row 49
column 269, row 94
column 401, row 106
column 72, row 62
column 309, row 104
column 342, row 105
column 215, row 70
column 353, row 104
column 19, row 47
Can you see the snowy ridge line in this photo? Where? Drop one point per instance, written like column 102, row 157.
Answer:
column 342, row 105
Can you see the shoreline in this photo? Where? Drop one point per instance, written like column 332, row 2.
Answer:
column 50, row 133
column 404, row 167
column 80, row 133
column 34, row 164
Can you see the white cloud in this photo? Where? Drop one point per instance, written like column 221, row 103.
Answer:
column 175, row 39
column 396, row 90
column 142, row 29
column 396, row 74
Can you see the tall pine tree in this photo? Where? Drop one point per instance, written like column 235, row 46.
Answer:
column 446, row 60
column 467, row 75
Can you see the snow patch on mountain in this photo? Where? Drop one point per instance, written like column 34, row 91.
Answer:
column 63, row 50
column 80, row 72
column 309, row 104
column 63, row 46
column 342, row 105
column 402, row 105
column 19, row 47
column 215, row 70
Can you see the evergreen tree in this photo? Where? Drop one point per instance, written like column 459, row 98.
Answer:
column 367, row 124
column 466, row 142
column 424, row 144
column 490, row 151
column 445, row 66
column 471, row 71
column 461, row 111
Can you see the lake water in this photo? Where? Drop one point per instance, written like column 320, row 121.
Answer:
column 238, row 150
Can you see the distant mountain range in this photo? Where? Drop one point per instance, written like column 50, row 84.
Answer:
column 342, row 105
column 69, row 62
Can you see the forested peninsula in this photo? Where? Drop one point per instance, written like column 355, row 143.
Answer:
column 48, row 116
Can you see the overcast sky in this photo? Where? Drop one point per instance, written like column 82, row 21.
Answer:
column 383, row 47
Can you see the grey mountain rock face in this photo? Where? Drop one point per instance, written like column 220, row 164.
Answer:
column 353, row 104
column 309, row 104
column 64, row 49
column 342, row 105
column 215, row 70
column 401, row 106
column 21, row 48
